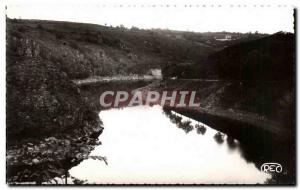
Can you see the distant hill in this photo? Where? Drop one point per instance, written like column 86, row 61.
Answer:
column 269, row 59
column 85, row 50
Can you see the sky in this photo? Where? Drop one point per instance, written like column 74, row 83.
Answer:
column 198, row 18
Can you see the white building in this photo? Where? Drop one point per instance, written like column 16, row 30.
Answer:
column 156, row 73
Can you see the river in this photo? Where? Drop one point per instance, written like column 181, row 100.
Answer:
column 143, row 144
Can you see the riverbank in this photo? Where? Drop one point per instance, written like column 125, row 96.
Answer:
column 259, row 144
column 265, row 105
column 96, row 80
column 39, row 161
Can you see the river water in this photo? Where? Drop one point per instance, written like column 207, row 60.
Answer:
column 143, row 145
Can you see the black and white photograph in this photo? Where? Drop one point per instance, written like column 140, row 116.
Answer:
column 150, row 94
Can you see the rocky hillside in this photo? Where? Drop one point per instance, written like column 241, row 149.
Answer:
column 49, row 125
column 85, row 50
column 41, row 99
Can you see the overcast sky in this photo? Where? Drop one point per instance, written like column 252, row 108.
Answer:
column 198, row 19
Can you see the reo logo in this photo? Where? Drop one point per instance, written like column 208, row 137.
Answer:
column 271, row 168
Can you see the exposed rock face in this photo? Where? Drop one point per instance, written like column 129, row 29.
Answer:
column 41, row 99
column 49, row 126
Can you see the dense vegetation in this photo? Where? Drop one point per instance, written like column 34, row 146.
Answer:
column 41, row 98
column 269, row 58
column 85, row 50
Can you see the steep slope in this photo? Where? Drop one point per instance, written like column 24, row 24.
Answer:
column 40, row 96
column 254, row 82
column 268, row 59
column 47, row 120
column 85, row 50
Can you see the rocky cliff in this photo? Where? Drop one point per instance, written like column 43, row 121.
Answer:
column 41, row 98
column 49, row 126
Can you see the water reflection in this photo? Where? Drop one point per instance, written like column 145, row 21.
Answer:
column 142, row 145
column 175, row 118
column 232, row 143
column 219, row 137
column 200, row 129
